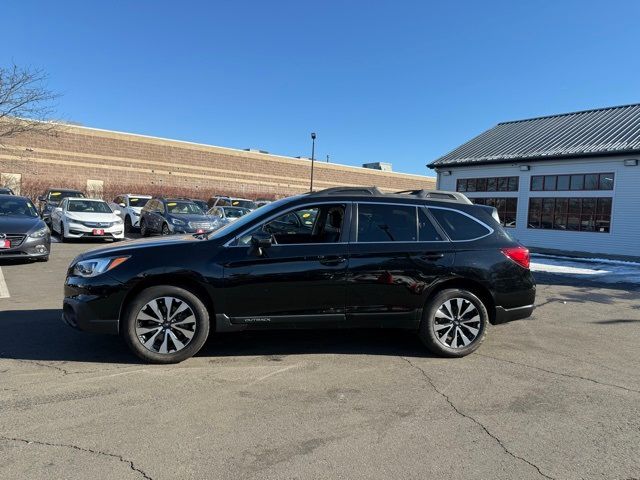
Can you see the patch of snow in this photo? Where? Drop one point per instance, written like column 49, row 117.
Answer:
column 607, row 271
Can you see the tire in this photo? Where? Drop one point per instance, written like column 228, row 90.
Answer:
column 127, row 224
column 152, row 353
column 144, row 231
column 444, row 332
column 61, row 234
column 165, row 229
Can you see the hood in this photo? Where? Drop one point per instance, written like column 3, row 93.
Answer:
column 21, row 225
column 92, row 216
column 129, row 247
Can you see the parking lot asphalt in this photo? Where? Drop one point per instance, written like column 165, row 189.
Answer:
column 554, row 396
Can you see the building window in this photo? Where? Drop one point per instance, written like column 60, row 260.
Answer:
column 572, row 214
column 489, row 184
column 507, row 208
column 581, row 181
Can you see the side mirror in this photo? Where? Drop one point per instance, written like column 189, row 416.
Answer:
column 58, row 209
column 260, row 242
column 117, row 212
column 122, row 205
column 41, row 198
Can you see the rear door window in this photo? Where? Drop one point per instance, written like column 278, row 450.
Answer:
column 426, row 231
column 386, row 223
column 458, row 225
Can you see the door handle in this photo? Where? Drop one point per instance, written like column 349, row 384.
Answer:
column 329, row 261
column 432, row 256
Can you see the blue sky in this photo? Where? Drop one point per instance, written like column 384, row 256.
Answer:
column 396, row 81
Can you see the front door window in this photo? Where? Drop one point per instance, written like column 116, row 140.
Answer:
column 311, row 224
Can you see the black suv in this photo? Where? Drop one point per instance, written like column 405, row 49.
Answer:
column 427, row 261
column 174, row 215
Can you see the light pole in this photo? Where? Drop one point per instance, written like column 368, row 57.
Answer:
column 313, row 155
column 327, row 158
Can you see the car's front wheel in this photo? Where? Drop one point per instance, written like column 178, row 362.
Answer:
column 61, row 229
column 165, row 229
column 144, row 231
column 165, row 324
column 454, row 323
column 127, row 224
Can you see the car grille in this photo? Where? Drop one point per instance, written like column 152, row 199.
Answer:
column 98, row 224
column 16, row 239
column 202, row 225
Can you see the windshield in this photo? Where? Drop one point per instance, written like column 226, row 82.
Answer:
column 202, row 204
column 88, row 206
column 231, row 212
column 236, row 202
column 184, row 208
column 239, row 224
column 137, row 202
column 17, row 207
column 59, row 195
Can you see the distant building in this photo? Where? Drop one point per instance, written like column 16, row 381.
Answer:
column 384, row 166
column 564, row 182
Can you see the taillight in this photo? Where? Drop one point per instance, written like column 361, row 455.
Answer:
column 520, row 255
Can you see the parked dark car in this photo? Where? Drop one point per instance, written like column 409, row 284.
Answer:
column 224, row 201
column 52, row 198
column 23, row 234
column 6, row 191
column 426, row 261
column 174, row 215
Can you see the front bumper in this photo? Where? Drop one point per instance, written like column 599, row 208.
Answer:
column 77, row 230
column 93, row 304
column 29, row 248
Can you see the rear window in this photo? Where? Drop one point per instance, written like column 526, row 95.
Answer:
column 386, row 223
column 458, row 225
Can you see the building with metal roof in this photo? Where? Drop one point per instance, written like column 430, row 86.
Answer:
column 566, row 182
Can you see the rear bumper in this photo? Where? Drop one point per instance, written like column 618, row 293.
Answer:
column 504, row 315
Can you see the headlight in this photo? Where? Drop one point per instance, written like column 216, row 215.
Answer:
column 39, row 233
column 175, row 221
column 96, row 266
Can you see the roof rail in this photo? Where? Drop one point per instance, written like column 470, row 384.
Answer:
column 370, row 191
column 442, row 195
column 437, row 195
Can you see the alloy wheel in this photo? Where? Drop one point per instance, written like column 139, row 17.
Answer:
column 457, row 323
column 165, row 325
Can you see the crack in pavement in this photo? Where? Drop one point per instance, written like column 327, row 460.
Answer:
column 62, row 370
column 75, row 447
column 474, row 420
column 569, row 375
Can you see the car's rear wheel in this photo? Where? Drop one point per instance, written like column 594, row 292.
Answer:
column 144, row 231
column 165, row 324
column 454, row 323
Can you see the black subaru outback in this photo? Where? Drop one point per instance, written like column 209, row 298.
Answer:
column 427, row 261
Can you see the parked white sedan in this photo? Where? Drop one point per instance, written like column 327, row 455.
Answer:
column 86, row 218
